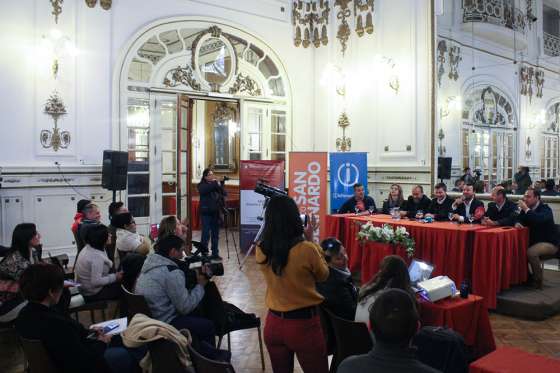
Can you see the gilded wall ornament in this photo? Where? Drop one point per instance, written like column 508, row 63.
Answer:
column 363, row 16
column 310, row 20
column 57, row 9
column 343, row 144
column 180, row 75
column 245, row 84
column 539, row 79
column 454, row 60
column 91, row 3
column 342, row 15
column 442, row 50
column 106, row 4
column 55, row 139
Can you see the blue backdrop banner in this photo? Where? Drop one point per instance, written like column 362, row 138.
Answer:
column 346, row 169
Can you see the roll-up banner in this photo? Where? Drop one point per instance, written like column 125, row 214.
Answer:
column 308, row 186
column 346, row 169
column 251, row 203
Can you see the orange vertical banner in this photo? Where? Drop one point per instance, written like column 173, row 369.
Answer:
column 308, row 185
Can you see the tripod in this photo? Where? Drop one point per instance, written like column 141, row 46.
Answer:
column 259, row 234
column 226, row 228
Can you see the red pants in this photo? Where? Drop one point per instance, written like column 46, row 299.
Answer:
column 303, row 337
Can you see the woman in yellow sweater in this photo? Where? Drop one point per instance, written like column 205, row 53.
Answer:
column 291, row 266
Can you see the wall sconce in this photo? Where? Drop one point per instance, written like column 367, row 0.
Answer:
column 539, row 120
column 387, row 67
column 335, row 77
column 54, row 46
column 452, row 103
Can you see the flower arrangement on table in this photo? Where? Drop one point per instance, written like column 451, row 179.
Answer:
column 389, row 235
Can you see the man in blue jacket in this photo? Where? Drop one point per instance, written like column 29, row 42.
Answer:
column 543, row 236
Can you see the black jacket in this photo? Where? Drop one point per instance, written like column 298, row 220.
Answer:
column 341, row 296
column 475, row 204
column 441, row 211
column 523, row 182
column 541, row 224
column 387, row 206
column 63, row 338
column 211, row 197
column 550, row 193
column 505, row 216
column 412, row 207
column 350, row 205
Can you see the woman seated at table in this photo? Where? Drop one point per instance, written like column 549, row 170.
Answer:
column 393, row 273
column 93, row 267
column 395, row 200
column 128, row 241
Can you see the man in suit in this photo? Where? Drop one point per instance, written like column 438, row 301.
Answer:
column 359, row 203
column 543, row 235
column 501, row 212
column 417, row 204
column 468, row 206
column 549, row 188
column 441, row 205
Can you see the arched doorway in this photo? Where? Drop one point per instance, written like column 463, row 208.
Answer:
column 193, row 93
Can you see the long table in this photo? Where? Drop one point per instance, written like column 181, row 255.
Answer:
column 492, row 258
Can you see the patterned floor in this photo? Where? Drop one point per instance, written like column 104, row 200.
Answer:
column 246, row 289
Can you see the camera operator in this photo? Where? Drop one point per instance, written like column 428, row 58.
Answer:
column 291, row 267
column 162, row 283
column 212, row 205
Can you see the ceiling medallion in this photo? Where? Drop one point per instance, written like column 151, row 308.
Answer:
column 245, row 84
column 55, row 139
column 311, row 20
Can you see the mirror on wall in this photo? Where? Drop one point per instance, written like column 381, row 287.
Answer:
column 497, row 87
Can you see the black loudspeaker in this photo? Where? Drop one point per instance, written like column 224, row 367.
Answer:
column 444, row 168
column 115, row 168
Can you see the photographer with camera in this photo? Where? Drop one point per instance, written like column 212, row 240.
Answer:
column 162, row 283
column 292, row 265
column 212, row 205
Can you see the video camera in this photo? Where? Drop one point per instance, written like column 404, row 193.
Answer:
column 268, row 191
column 214, row 268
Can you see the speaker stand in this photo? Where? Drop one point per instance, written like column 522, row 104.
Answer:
column 114, row 196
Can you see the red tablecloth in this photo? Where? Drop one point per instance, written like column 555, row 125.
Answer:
column 513, row 360
column 499, row 261
column 468, row 317
column 443, row 244
column 195, row 215
column 372, row 255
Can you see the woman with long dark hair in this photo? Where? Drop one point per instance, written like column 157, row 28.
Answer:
column 212, row 203
column 393, row 273
column 22, row 253
column 292, row 266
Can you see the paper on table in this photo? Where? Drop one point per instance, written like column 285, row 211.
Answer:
column 123, row 324
column 69, row 283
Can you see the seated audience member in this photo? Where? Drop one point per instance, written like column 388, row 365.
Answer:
column 65, row 340
column 93, row 267
column 22, row 253
column 128, row 240
column 440, row 207
column 339, row 291
column 393, row 273
column 468, row 206
column 92, row 216
column 163, row 284
column 394, row 321
column 115, row 208
column 459, row 185
column 417, row 204
column 169, row 226
column 395, row 200
column 79, row 214
column 543, row 235
column 359, row 203
column 501, row 211
column 549, row 188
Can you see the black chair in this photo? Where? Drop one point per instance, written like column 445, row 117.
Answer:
column 327, row 331
column 134, row 304
column 204, row 365
column 91, row 307
column 37, row 357
column 256, row 324
column 164, row 355
column 4, row 250
column 351, row 338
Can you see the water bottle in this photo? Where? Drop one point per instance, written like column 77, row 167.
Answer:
column 464, row 289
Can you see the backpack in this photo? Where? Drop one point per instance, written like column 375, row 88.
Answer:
column 442, row 349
